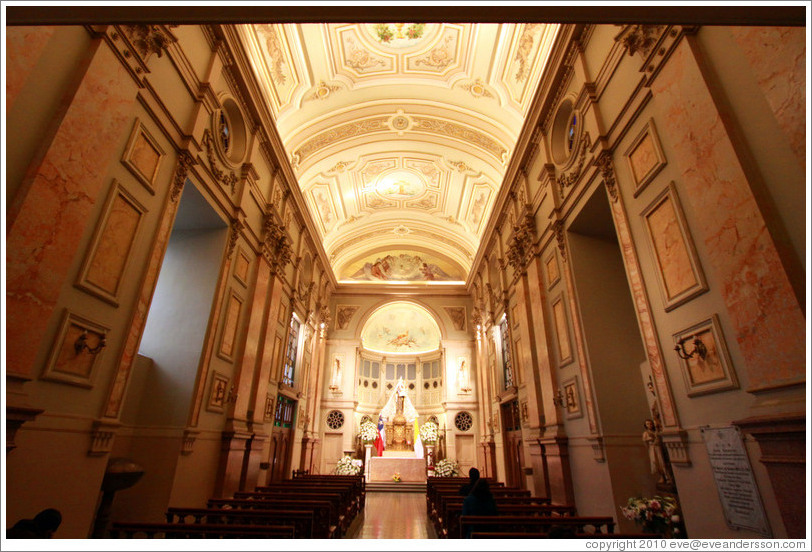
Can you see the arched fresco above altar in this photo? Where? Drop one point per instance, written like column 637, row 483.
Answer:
column 401, row 327
column 402, row 266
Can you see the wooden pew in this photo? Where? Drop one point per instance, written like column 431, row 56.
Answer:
column 340, row 515
column 498, row 493
column 301, row 520
column 357, row 481
column 122, row 530
column 534, row 524
column 325, row 514
column 354, row 490
column 350, row 496
column 450, row 523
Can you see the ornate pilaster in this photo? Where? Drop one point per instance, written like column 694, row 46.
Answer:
column 237, row 226
column 558, row 230
column 521, row 251
column 149, row 39
column 565, row 180
column 639, row 38
column 607, row 168
column 276, row 246
column 185, row 162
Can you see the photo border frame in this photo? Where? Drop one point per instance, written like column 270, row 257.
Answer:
column 148, row 181
column 212, row 404
column 669, row 193
column 116, row 190
column 552, row 256
column 729, row 381
column 562, row 360
column 577, row 410
column 50, row 373
column 642, row 181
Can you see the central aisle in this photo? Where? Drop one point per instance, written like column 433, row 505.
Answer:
column 391, row 515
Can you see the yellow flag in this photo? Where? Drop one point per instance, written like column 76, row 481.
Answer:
column 418, row 444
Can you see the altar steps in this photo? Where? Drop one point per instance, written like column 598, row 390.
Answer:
column 392, row 487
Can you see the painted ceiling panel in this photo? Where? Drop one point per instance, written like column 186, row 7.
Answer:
column 399, row 134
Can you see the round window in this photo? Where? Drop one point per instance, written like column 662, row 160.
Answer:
column 565, row 133
column 335, row 419
column 463, row 421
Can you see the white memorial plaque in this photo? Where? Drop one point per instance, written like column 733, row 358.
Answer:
column 737, row 488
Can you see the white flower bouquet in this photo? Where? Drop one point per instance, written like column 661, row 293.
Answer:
column 369, row 431
column 659, row 514
column 348, row 466
column 429, row 432
column 446, row 468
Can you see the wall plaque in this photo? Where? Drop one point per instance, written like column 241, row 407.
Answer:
column 737, row 488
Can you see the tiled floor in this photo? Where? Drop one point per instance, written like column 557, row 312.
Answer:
column 389, row 515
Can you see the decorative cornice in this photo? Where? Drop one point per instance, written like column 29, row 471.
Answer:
column 520, row 251
column 568, row 179
column 149, row 39
column 185, row 162
column 639, row 38
column 276, row 247
column 226, row 179
column 605, row 165
column 558, row 230
column 237, row 226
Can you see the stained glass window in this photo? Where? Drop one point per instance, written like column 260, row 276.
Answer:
column 290, row 356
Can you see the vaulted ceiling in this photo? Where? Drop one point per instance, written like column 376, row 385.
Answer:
column 399, row 134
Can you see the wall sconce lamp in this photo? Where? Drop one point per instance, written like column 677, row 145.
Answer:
column 558, row 399
column 81, row 344
column 699, row 348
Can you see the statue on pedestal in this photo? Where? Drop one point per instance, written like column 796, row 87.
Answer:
column 400, row 414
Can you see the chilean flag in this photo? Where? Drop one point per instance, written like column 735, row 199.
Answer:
column 380, row 440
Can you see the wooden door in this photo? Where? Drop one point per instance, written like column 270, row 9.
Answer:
column 512, row 444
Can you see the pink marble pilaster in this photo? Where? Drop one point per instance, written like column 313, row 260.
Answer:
column 24, row 46
column 245, row 373
column 57, row 207
column 762, row 308
column 263, row 376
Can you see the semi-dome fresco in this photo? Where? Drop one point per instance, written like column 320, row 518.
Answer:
column 402, row 266
column 401, row 328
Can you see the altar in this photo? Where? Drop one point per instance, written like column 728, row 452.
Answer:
column 382, row 468
column 400, row 429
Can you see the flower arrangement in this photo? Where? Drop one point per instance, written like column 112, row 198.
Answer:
column 659, row 514
column 348, row 466
column 369, row 431
column 446, row 468
column 429, row 432
column 396, row 477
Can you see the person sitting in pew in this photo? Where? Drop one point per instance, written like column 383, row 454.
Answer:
column 479, row 502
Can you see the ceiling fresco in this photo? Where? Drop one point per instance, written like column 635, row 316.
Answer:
column 399, row 133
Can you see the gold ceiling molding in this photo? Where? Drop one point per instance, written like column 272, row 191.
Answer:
column 463, row 133
column 339, row 133
column 420, row 124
